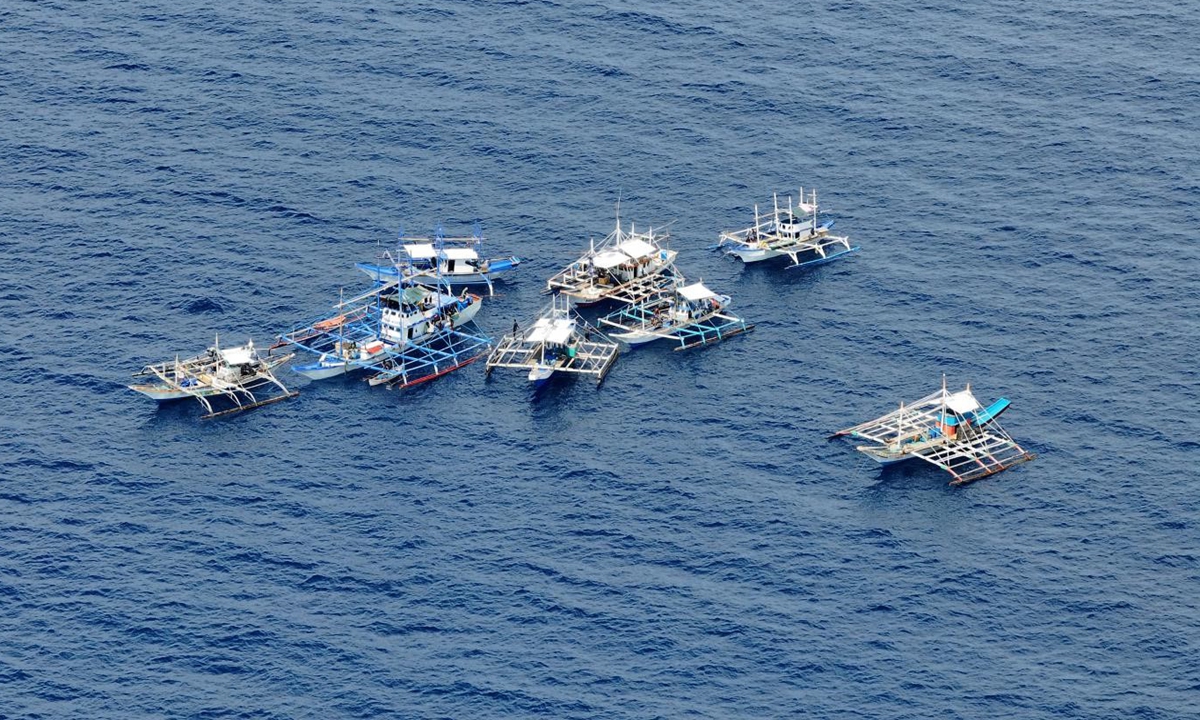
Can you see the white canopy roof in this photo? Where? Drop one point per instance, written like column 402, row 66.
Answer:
column 460, row 254
column 637, row 248
column 423, row 251
column 962, row 402
column 238, row 355
column 556, row 330
column 609, row 259
column 696, row 291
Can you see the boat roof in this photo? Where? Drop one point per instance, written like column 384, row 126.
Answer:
column 696, row 291
column 962, row 402
column 552, row 330
column 460, row 254
column 609, row 259
column 636, row 248
column 238, row 355
column 421, row 251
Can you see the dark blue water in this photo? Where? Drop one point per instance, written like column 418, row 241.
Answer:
column 681, row 542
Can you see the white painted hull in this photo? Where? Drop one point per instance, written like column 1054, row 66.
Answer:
column 541, row 373
column 323, row 371
column 753, row 255
column 163, row 394
column 638, row 337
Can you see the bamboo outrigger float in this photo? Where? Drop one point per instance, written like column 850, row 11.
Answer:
column 792, row 232
column 440, row 261
column 950, row 430
column 558, row 341
column 403, row 334
column 689, row 315
column 231, row 374
column 625, row 266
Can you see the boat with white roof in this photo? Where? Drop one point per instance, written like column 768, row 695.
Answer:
column 952, row 431
column 403, row 334
column 234, row 374
column 624, row 266
column 558, row 341
column 441, row 260
column 793, row 232
column 687, row 314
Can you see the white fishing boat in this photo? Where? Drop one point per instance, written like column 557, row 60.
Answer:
column 793, row 232
column 689, row 315
column 232, row 374
column 558, row 341
column 399, row 332
column 952, row 431
column 625, row 266
column 440, row 261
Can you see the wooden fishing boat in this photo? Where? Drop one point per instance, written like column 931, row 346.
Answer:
column 625, row 266
column 232, row 374
column 689, row 315
column 439, row 261
column 558, row 341
column 950, row 430
column 792, row 232
column 402, row 333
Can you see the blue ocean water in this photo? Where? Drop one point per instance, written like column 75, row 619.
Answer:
column 682, row 542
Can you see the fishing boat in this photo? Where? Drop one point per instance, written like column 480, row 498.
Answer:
column 402, row 333
column 232, row 374
column 688, row 315
column 558, row 341
column 625, row 266
column 950, row 430
column 792, row 231
column 440, row 260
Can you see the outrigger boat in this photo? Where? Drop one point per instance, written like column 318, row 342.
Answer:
column 231, row 373
column 950, row 430
column 792, row 232
column 558, row 341
column 440, row 260
column 625, row 266
column 402, row 334
column 690, row 315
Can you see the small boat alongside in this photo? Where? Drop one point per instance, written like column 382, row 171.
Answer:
column 793, row 232
column 232, row 374
column 558, row 341
column 688, row 315
column 453, row 261
column 402, row 333
column 952, row 431
column 625, row 266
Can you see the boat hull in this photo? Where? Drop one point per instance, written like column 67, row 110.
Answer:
column 161, row 393
column 753, row 255
column 322, row 370
column 637, row 337
column 540, row 374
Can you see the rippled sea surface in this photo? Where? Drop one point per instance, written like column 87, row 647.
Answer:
column 682, row 542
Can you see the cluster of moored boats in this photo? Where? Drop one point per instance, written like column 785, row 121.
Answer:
column 416, row 323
